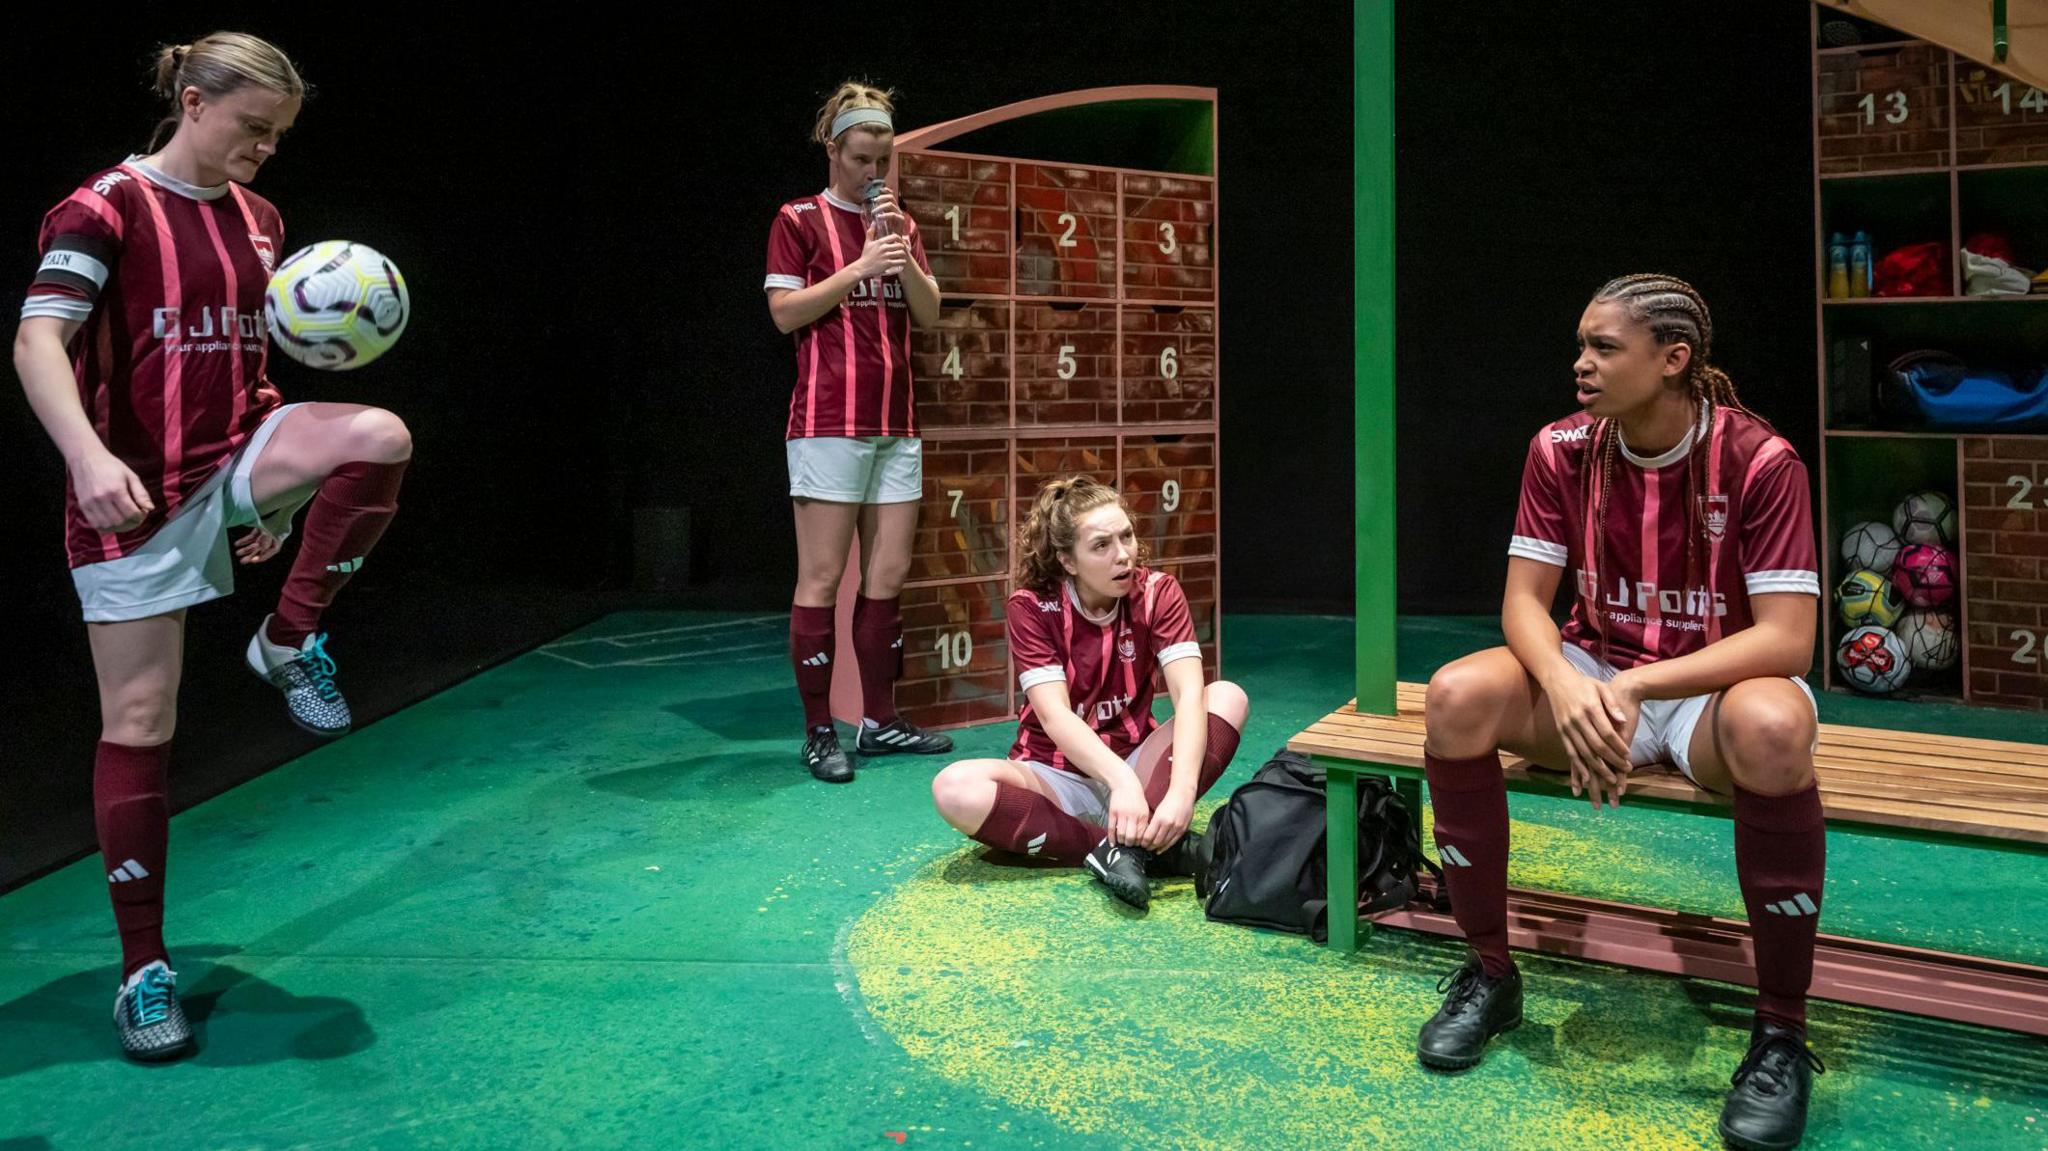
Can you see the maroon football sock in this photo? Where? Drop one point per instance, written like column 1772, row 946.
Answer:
column 1781, row 854
column 133, row 817
column 354, row 505
column 1470, row 797
column 812, row 638
column 1027, row 823
column 878, row 649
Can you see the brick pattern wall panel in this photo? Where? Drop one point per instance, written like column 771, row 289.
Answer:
column 1066, row 363
column 956, row 654
column 960, row 367
column 1169, row 365
column 1169, row 230
column 1884, row 110
column 963, row 524
column 1170, row 483
column 2005, row 507
column 1998, row 119
column 1066, row 232
column 963, row 209
column 1093, row 455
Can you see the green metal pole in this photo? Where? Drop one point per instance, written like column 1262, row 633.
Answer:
column 1372, row 217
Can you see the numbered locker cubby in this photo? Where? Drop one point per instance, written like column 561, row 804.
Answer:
column 1861, row 340
column 962, row 208
column 1066, row 363
column 1170, row 483
column 963, row 523
column 1169, row 222
column 2010, row 204
column 1066, row 231
column 1883, row 108
column 2005, row 546
column 1892, row 211
column 1999, row 120
column 1867, row 478
column 1169, row 364
column 960, row 367
column 956, row 653
column 1042, row 459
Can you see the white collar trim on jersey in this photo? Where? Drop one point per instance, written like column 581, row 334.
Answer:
column 1074, row 597
column 1678, row 451
column 171, row 183
column 840, row 204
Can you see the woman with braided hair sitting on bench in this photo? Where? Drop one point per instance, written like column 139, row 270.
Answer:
column 1684, row 521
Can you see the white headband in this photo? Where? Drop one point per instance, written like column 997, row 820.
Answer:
column 854, row 116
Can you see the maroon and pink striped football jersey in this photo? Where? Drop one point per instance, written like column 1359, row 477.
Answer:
column 853, row 362
column 1759, row 535
column 1106, row 666
column 166, row 280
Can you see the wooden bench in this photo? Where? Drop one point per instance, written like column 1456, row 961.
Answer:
column 1986, row 793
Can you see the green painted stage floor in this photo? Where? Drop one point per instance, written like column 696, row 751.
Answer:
column 589, row 899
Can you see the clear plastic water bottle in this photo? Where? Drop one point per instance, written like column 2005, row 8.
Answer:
column 868, row 195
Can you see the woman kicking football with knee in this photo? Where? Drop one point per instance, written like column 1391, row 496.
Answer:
column 142, row 351
column 1092, row 780
column 1684, row 522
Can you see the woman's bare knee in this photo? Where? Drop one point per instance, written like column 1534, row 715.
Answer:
column 817, row 581
column 884, row 578
column 1229, row 703
column 380, row 437
column 964, row 793
column 1767, row 733
column 140, row 719
column 1465, row 701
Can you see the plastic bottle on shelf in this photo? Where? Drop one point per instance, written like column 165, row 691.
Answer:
column 1838, row 267
column 1860, row 265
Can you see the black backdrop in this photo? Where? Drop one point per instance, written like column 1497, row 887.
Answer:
column 581, row 210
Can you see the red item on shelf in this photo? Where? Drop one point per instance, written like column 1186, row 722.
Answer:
column 1992, row 244
column 1915, row 270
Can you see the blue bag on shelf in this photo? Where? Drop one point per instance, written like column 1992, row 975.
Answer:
column 1951, row 395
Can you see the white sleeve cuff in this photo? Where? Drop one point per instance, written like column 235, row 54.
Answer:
column 1032, row 677
column 1542, row 551
column 775, row 281
column 78, row 264
column 1762, row 583
column 56, row 307
column 1176, row 651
